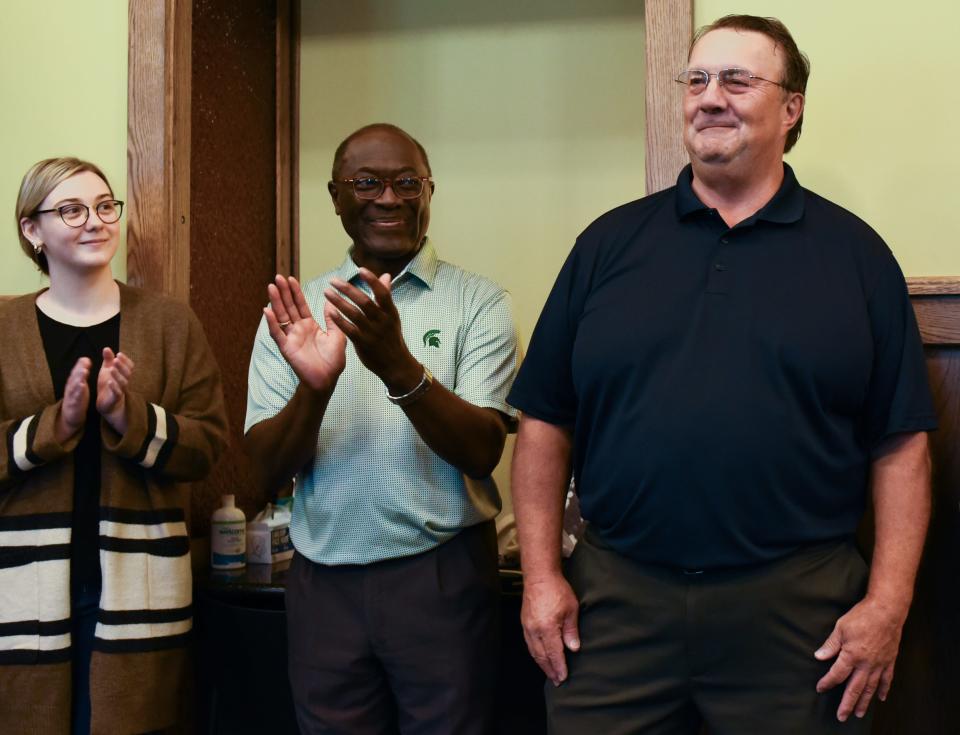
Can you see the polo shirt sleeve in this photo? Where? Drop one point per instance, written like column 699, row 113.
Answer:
column 490, row 353
column 898, row 397
column 271, row 382
column 544, row 387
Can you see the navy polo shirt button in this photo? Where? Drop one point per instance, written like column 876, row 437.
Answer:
column 724, row 240
column 719, row 266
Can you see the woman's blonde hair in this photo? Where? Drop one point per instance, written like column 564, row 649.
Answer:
column 42, row 178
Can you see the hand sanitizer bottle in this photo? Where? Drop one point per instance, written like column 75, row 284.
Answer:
column 228, row 536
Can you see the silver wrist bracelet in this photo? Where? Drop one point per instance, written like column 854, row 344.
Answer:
column 422, row 387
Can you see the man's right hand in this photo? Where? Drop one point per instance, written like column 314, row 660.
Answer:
column 549, row 618
column 316, row 356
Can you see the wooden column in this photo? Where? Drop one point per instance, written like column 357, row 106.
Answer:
column 241, row 201
column 212, row 185
column 158, row 145
column 669, row 28
column 288, row 137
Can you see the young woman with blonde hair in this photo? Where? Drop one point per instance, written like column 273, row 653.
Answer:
column 110, row 399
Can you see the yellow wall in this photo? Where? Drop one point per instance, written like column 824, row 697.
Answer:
column 532, row 114
column 63, row 77
column 878, row 136
column 532, row 117
column 533, row 120
column 879, row 132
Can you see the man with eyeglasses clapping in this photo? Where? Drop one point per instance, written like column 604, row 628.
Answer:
column 382, row 385
column 732, row 370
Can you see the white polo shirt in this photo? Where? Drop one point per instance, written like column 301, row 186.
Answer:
column 375, row 490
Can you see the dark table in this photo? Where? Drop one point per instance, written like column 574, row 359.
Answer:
column 242, row 662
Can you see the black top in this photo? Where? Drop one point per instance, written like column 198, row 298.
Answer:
column 64, row 344
column 726, row 386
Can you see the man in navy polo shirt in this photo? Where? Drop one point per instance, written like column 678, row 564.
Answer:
column 732, row 370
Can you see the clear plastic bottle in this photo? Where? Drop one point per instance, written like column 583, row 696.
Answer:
column 228, row 536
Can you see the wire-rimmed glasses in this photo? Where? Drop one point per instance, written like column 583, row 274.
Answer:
column 734, row 81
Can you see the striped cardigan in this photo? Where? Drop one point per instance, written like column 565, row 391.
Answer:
column 176, row 430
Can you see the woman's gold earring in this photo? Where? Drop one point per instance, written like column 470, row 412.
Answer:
column 37, row 248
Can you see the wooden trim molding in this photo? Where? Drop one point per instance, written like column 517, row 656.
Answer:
column 158, row 145
column 669, row 28
column 934, row 286
column 288, row 137
column 936, row 302
column 939, row 319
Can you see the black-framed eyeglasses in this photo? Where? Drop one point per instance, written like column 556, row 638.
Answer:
column 371, row 187
column 76, row 214
column 734, row 81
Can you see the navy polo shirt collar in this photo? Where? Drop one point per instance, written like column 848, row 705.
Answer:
column 785, row 207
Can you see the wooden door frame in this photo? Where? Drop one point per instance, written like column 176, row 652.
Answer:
column 158, row 142
column 158, row 145
column 158, row 150
column 158, row 118
column 288, row 137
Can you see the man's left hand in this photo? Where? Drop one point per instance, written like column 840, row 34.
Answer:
column 865, row 642
column 373, row 326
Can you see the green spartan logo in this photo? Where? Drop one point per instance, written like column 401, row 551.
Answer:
column 431, row 338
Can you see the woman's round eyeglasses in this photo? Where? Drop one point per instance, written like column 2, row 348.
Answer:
column 76, row 214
